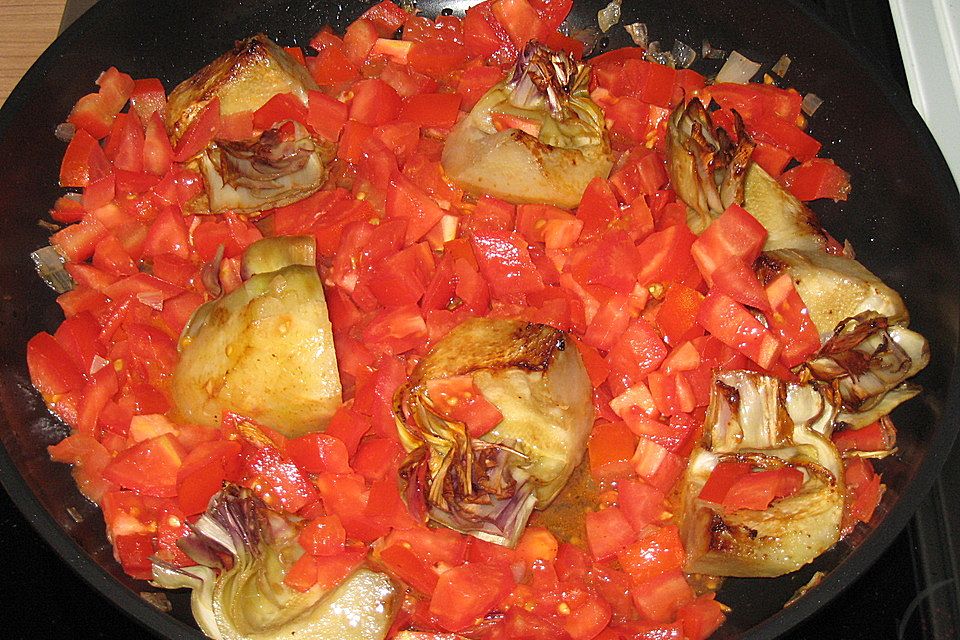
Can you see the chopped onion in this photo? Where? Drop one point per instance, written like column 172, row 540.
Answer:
column 609, row 15
column 709, row 53
column 65, row 131
column 811, row 102
column 638, row 33
column 683, row 55
column 780, row 68
column 49, row 265
column 589, row 36
column 738, row 68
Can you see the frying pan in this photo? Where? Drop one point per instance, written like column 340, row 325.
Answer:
column 901, row 218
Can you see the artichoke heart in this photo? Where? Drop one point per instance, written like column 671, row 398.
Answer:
column 279, row 166
column 488, row 486
column 535, row 138
column 244, row 551
column 769, row 423
column 265, row 350
column 709, row 173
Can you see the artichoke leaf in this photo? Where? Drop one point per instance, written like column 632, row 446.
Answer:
column 488, row 486
column 265, row 350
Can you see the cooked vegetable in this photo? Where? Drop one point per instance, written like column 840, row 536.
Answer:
column 265, row 350
column 537, row 137
column 710, row 173
column 244, row 551
column 282, row 164
column 768, row 425
column 488, row 486
column 868, row 360
column 834, row 288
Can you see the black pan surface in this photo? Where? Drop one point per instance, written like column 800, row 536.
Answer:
column 902, row 219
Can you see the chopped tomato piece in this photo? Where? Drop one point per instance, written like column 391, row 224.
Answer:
column 608, row 532
column 735, row 234
column 610, row 450
column 736, row 327
column 817, row 178
column 149, row 467
column 468, row 592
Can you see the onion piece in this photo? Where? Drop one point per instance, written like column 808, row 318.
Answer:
column 609, row 15
column 738, row 69
column 709, row 53
column 683, row 55
column 49, row 265
column 638, row 33
column 780, row 68
column 65, row 131
column 811, row 102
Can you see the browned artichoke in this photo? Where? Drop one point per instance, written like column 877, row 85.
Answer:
column 281, row 165
column 487, row 487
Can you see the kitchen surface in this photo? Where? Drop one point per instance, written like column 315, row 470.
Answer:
column 911, row 593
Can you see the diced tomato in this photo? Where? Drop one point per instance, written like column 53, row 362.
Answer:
column 323, row 536
column 431, row 109
column 658, row 550
column 332, row 67
column 665, row 256
column 876, row 436
column 407, row 201
column 149, row 467
column 203, row 472
column 319, row 452
column 771, row 159
column 649, row 81
column 84, row 161
column 658, row 466
column 640, row 503
column 639, row 350
column 756, row 490
column 475, row 82
column 505, row 263
column 468, row 592
column 610, row 449
column 817, row 178
column 325, row 115
column 406, row 565
column 485, row 36
column 660, row 597
column 358, row 40
column 736, row 327
column 386, row 16
column 736, row 279
column 200, row 133
column 374, row 102
column 789, row 320
column 279, row 108
column 520, row 20
column 437, row 59
column 735, row 234
column 864, row 491
column 677, row 315
column 608, row 532
column 701, row 617
column 775, row 130
column 52, row 371
column 92, row 115
column 459, row 399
